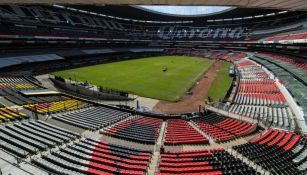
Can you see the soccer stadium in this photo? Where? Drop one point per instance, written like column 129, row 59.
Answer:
column 159, row 87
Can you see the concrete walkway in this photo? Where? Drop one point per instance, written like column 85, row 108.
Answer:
column 155, row 159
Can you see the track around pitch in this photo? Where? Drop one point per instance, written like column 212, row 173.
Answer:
column 190, row 103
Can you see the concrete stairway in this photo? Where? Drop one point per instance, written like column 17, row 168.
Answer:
column 161, row 133
column 154, row 161
column 46, row 82
column 211, row 140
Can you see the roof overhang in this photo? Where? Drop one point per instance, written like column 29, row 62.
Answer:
column 273, row 4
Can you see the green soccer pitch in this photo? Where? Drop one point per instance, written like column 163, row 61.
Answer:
column 163, row 77
column 220, row 84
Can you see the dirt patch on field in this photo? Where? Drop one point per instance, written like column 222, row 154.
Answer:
column 190, row 103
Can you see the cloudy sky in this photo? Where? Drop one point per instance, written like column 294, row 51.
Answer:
column 186, row 10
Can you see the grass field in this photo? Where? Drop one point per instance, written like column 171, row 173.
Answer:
column 220, row 84
column 145, row 77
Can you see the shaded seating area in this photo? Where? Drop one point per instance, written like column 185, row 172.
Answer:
column 19, row 99
column 16, row 82
column 26, row 138
column 139, row 129
column 181, row 132
column 208, row 162
column 224, row 128
column 231, row 57
column 286, row 61
column 10, row 61
column 93, row 118
column 278, row 151
column 96, row 157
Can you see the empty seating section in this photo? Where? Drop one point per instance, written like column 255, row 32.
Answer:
column 19, row 83
column 258, row 86
column 259, row 97
column 92, row 118
column 294, row 36
column 270, row 115
column 181, row 132
column 10, row 61
column 25, row 138
column 10, row 87
column 95, row 157
column 64, row 104
column 296, row 66
column 292, row 78
column 224, row 128
column 214, row 54
column 231, row 57
column 206, row 162
column 278, row 151
column 20, row 99
column 11, row 114
column 23, row 23
column 139, row 129
column 281, row 59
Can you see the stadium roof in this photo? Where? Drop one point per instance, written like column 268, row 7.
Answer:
column 130, row 12
column 275, row 4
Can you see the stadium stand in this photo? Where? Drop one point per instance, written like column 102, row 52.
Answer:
column 96, row 157
column 11, row 114
column 62, row 104
column 9, row 61
column 184, row 134
column 259, row 97
column 38, row 39
column 18, row 83
column 231, row 57
column 92, row 118
column 279, row 151
column 59, row 22
column 17, row 98
column 296, row 66
column 263, row 32
column 299, row 37
column 213, row 162
column 11, row 90
column 210, row 33
column 294, row 82
column 139, row 129
column 26, row 138
column 224, row 128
